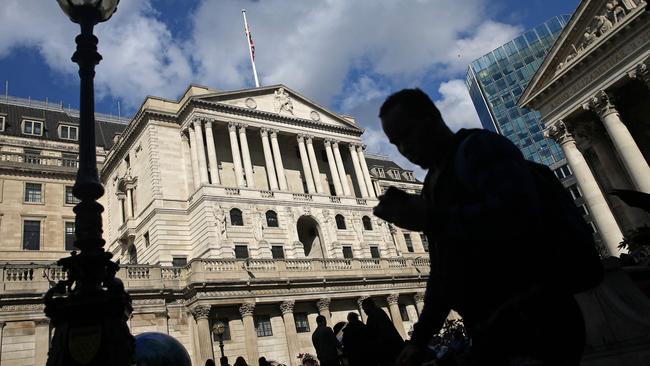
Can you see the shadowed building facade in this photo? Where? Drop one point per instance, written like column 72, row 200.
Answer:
column 252, row 207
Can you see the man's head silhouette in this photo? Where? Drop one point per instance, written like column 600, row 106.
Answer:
column 414, row 125
column 368, row 305
column 320, row 320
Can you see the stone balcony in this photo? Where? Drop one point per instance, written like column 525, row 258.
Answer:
column 46, row 164
column 32, row 279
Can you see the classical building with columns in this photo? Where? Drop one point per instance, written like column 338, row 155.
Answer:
column 250, row 207
column 592, row 91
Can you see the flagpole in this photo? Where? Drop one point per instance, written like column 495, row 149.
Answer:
column 250, row 49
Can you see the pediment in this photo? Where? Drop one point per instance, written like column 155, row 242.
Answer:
column 592, row 24
column 280, row 100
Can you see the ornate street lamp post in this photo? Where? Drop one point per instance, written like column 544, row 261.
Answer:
column 89, row 310
column 219, row 328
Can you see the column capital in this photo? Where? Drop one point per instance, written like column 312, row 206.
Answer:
column 309, row 139
column 392, row 299
column 208, row 121
column 200, row 312
column 264, row 132
column 273, row 132
column 247, row 309
column 361, row 298
column 323, row 303
column 242, row 127
column 197, row 121
column 232, row 126
column 42, row 322
column 300, row 137
column 418, row 297
column 287, row 306
column 641, row 72
column 600, row 103
column 2, row 323
column 560, row 132
column 328, row 142
column 335, row 144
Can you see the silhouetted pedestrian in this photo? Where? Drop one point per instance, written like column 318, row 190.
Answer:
column 357, row 345
column 508, row 246
column 386, row 339
column 240, row 361
column 210, row 362
column 325, row 343
column 263, row 362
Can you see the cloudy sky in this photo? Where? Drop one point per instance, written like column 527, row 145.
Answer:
column 347, row 55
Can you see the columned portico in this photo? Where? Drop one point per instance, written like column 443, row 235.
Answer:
column 336, row 179
column 366, row 172
column 286, row 307
column 593, row 196
column 200, row 150
column 250, row 334
column 246, row 156
column 361, row 182
column 236, row 157
column 314, row 164
column 268, row 159
column 631, row 156
column 304, row 159
column 201, row 314
column 212, row 153
column 396, row 316
column 341, row 169
column 279, row 167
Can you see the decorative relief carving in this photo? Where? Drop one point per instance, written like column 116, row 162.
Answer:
column 323, row 304
column 283, row 103
column 418, row 297
column 315, row 116
column 287, row 306
column 392, row 299
column 23, row 307
column 247, row 309
column 200, row 312
column 250, row 103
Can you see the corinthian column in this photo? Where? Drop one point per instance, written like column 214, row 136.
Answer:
column 268, row 159
column 357, row 171
column 366, row 172
column 246, row 156
column 341, row 169
column 336, row 180
column 323, row 305
column 236, row 158
column 290, row 329
column 628, row 150
column 393, row 307
column 201, row 313
column 305, row 164
column 250, row 334
column 200, row 150
column 279, row 167
column 593, row 196
column 419, row 302
column 314, row 164
column 642, row 72
column 212, row 153
column 194, row 156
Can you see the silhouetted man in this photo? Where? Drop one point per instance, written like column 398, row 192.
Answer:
column 325, row 343
column 386, row 339
column 357, row 345
column 496, row 225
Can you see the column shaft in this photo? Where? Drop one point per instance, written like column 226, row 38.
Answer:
column 396, row 316
column 194, row 157
column 129, row 202
column 250, row 333
column 305, row 164
column 212, row 154
column 236, row 157
column 364, row 316
column 366, row 172
column 290, row 330
column 323, row 306
column 200, row 150
column 42, row 340
column 279, row 167
column 2, row 327
column 314, row 165
column 201, row 314
column 357, row 171
column 336, row 179
column 268, row 159
column 341, row 169
column 246, row 157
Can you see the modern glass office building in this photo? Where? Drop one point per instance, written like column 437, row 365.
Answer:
column 496, row 81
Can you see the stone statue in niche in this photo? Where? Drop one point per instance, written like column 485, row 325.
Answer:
column 615, row 12
column 221, row 219
column 603, row 25
column 357, row 225
column 258, row 229
column 283, row 102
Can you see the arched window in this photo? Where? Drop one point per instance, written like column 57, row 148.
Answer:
column 236, row 218
column 367, row 224
column 340, row 222
column 271, row 218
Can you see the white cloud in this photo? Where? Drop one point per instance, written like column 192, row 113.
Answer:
column 456, row 105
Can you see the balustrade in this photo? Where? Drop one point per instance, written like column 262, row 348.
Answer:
column 33, row 159
column 302, row 197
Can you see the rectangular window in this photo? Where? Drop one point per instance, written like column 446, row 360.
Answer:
column 2, row 123
column 33, row 192
column 70, row 199
column 31, row 235
column 302, row 324
column 179, row 261
column 69, row 160
column 69, row 236
column 68, row 132
column 146, row 240
column 404, row 314
column 277, row 251
column 409, row 242
column 347, row 252
column 33, row 128
column 263, row 326
column 380, row 172
column 226, row 333
column 374, row 252
column 425, row 242
column 241, row 251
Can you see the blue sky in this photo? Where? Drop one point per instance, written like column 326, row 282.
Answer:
column 345, row 55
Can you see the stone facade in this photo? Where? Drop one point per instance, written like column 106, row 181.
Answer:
column 252, row 207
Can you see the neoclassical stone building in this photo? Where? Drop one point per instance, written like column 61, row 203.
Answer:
column 251, row 207
column 593, row 91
